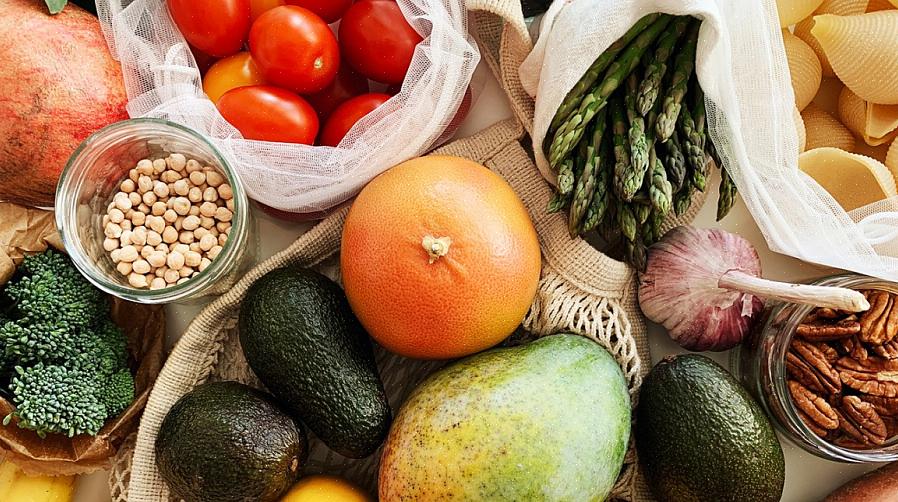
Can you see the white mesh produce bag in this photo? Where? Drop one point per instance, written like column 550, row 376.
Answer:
column 163, row 81
column 741, row 65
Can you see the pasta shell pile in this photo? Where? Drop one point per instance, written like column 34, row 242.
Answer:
column 843, row 59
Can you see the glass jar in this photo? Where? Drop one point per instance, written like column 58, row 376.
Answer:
column 93, row 175
column 760, row 363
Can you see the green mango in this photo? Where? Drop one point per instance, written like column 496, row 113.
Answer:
column 546, row 421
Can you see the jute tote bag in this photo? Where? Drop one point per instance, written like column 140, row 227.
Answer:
column 581, row 290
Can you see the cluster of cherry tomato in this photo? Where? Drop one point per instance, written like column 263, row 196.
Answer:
column 297, row 83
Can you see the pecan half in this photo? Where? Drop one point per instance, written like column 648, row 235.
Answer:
column 853, row 348
column 831, row 354
column 874, row 376
column 813, row 406
column 816, row 429
column 824, row 330
column 879, row 324
column 885, row 406
column 865, row 420
column 888, row 350
column 808, row 364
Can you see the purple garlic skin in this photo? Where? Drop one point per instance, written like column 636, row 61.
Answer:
column 680, row 291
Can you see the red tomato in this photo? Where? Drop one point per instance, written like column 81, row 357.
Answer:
column 347, row 114
column 259, row 7
column 216, row 27
column 329, row 10
column 347, row 84
column 377, row 40
column 295, row 49
column 268, row 113
column 229, row 73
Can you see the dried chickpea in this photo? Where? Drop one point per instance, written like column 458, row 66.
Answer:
column 159, row 166
column 214, row 252
column 169, row 235
column 163, row 247
column 183, row 280
column 191, row 223
column 122, row 201
column 105, row 220
column 133, row 175
column 197, row 178
column 230, row 205
column 208, row 242
column 175, row 260
column 150, row 198
column 139, row 236
column 194, row 211
column 146, row 251
column 225, row 192
column 222, row 239
column 116, row 215
column 193, row 165
column 113, row 230
column 141, row 267
column 159, row 208
column 129, row 254
column 195, row 195
column 186, row 237
column 127, row 186
column 181, row 206
column 214, row 178
column 126, row 225
column 125, row 238
column 145, row 167
column 139, row 219
column 160, row 272
column 145, row 184
column 171, row 276
column 137, row 280
column 185, row 271
column 210, row 194
column 157, row 283
column 134, row 199
column 156, row 223
column 110, row 244
column 223, row 214
column 123, row 268
column 160, row 189
column 181, row 248
column 181, row 187
column 204, row 263
column 177, row 161
column 170, row 215
column 153, row 238
column 179, row 223
column 192, row 259
column 195, row 247
column 156, row 259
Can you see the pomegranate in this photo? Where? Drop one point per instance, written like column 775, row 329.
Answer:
column 59, row 85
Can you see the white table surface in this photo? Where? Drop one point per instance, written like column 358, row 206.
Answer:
column 808, row 478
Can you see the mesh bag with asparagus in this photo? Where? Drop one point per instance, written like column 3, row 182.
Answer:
column 628, row 143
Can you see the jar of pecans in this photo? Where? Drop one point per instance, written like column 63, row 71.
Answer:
column 829, row 379
column 151, row 212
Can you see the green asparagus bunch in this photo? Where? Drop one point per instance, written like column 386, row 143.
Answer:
column 629, row 143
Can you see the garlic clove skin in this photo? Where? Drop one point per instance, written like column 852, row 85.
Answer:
column 680, row 291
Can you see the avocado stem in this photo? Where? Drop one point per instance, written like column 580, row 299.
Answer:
column 436, row 247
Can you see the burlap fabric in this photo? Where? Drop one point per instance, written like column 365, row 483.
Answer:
column 581, row 289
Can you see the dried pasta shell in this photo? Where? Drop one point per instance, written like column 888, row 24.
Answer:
column 853, row 180
column 793, row 11
column 838, row 7
column 892, row 158
column 804, row 68
column 878, row 5
column 843, row 7
column 863, row 51
column 876, row 124
column 824, row 130
column 801, row 130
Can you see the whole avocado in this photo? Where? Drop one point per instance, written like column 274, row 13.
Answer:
column 701, row 437
column 546, row 421
column 228, row 442
column 304, row 343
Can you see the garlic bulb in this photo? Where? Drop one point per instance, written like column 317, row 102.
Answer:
column 703, row 285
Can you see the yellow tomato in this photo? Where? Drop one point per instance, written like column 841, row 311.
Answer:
column 229, row 73
column 257, row 7
column 321, row 488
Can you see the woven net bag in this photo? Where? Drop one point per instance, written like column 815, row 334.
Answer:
column 581, row 290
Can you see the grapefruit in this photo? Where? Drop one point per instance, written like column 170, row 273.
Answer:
column 439, row 258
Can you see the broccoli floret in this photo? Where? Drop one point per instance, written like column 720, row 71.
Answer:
column 52, row 289
column 54, row 399
column 118, row 392
column 70, row 360
column 24, row 342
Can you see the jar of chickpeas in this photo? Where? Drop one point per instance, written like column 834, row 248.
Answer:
column 151, row 212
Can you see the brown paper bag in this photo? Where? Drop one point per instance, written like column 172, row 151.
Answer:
column 25, row 231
